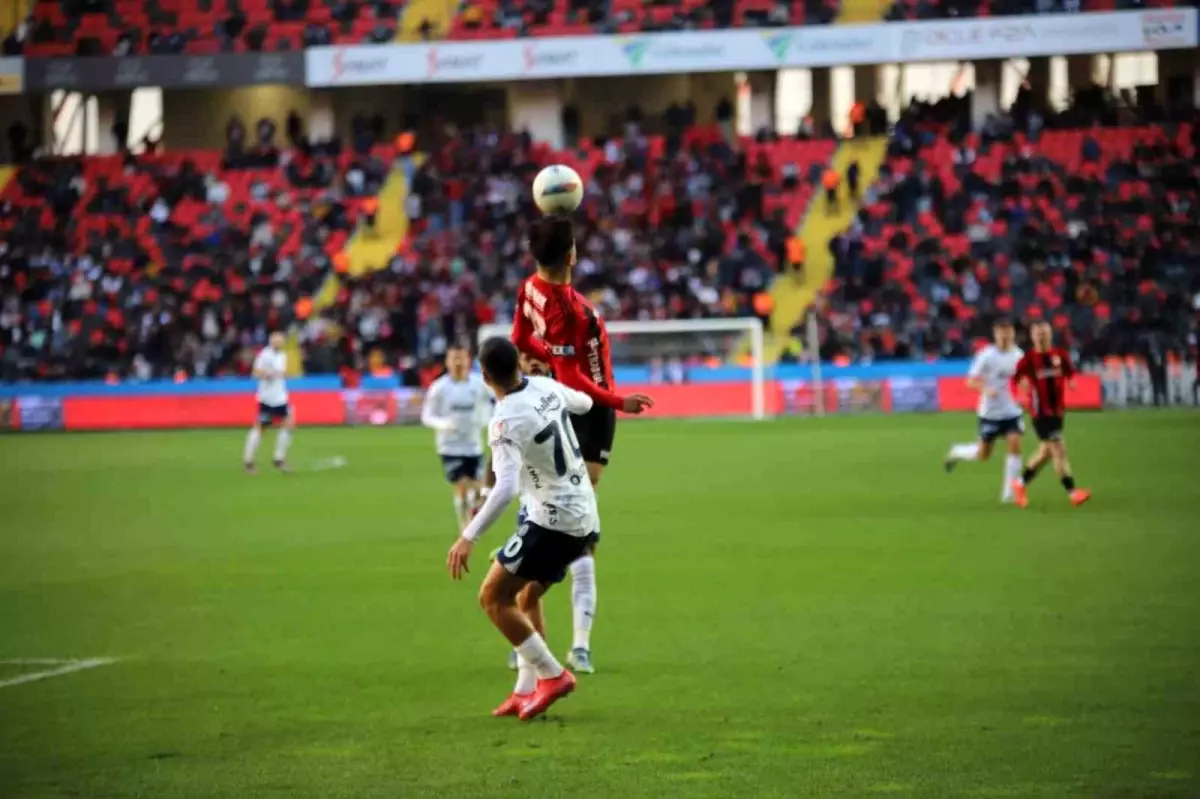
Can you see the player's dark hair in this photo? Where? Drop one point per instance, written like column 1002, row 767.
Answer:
column 500, row 361
column 1002, row 321
column 551, row 239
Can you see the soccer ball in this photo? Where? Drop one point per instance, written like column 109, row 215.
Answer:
column 558, row 189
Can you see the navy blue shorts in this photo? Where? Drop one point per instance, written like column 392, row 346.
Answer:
column 541, row 555
column 461, row 467
column 270, row 414
column 991, row 429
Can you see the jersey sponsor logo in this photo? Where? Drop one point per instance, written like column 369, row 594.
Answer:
column 548, row 404
column 594, row 361
column 562, row 350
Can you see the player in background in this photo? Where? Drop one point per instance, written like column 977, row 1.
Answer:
column 991, row 375
column 555, row 325
column 534, row 452
column 270, row 370
column 1048, row 370
column 458, row 406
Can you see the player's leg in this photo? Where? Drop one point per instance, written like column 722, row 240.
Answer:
column 1032, row 467
column 283, row 439
column 1012, row 461
column 1062, row 467
column 596, row 431
column 461, row 508
column 254, row 438
column 539, row 558
column 979, row 450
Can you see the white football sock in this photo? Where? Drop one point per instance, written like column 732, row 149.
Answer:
column 252, row 440
column 965, row 452
column 535, row 652
column 282, row 441
column 583, row 600
column 526, row 677
column 1012, row 471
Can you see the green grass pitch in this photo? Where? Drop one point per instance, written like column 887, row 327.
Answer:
column 789, row 609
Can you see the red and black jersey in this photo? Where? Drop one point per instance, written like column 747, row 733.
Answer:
column 554, row 323
column 1048, row 373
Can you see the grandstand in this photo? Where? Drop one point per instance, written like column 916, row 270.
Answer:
column 801, row 219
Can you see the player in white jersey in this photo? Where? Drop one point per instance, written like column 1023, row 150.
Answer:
column 458, row 406
column 991, row 374
column 270, row 370
column 535, row 453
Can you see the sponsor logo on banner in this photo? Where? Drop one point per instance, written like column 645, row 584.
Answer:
column 350, row 67
column 40, row 413
column 914, row 393
column 547, row 57
column 1165, row 29
column 201, row 71
column 165, row 71
column 460, row 62
column 920, row 41
column 677, row 52
column 819, row 45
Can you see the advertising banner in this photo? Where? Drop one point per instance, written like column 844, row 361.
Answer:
column 767, row 49
column 12, row 75
column 914, row 394
column 954, row 395
column 380, row 407
column 39, row 413
column 188, row 411
column 221, row 70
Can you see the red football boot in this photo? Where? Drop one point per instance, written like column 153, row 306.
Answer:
column 1020, row 495
column 548, row 692
column 1080, row 496
column 512, row 705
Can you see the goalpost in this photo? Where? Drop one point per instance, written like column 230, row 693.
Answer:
column 681, row 351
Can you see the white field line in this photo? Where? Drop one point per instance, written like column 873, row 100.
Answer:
column 62, row 667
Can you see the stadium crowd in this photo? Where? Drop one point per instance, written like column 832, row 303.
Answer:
column 177, row 264
column 1089, row 218
column 163, row 27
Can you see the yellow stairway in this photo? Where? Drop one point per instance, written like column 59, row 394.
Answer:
column 438, row 12
column 862, row 11
column 790, row 294
column 6, row 174
column 369, row 251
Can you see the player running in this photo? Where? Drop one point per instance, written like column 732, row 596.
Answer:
column 534, row 451
column 555, row 325
column 458, row 406
column 270, row 370
column 991, row 375
column 1049, row 370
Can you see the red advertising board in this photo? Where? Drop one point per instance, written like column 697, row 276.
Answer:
column 182, row 411
column 953, row 394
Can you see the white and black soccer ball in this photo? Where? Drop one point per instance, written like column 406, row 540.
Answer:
column 557, row 189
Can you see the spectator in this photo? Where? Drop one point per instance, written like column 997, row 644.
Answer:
column 852, row 175
column 830, row 180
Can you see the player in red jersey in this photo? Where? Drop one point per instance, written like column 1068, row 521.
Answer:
column 555, row 325
column 1047, row 369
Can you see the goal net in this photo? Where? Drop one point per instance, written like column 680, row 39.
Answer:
column 691, row 367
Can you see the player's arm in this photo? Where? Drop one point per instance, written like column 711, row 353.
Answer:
column 1021, row 374
column 261, row 371
column 506, row 465
column 975, row 373
column 568, row 372
column 430, row 410
column 1069, row 370
column 577, row 402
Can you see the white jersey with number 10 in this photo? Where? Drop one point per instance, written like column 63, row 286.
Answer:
column 533, row 426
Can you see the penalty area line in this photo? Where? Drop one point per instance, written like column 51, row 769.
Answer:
column 61, row 667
